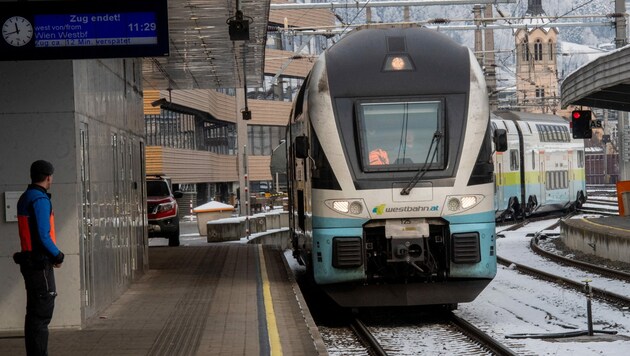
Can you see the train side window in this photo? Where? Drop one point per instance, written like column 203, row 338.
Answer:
column 514, row 161
column 544, row 135
column 565, row 179
column 565, row 134
column 547, row 180
column 548, row 136
column 580, row 159
column 557, row 133
column 540, row 130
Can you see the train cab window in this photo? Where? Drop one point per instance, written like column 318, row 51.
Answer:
column 401, row 135
column 514, row 161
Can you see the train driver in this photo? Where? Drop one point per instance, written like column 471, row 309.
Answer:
column 378, row 156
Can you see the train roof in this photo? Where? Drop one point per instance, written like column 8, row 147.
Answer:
column 355, row 65
column 526, row 116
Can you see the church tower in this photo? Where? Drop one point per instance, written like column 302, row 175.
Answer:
column 536, row 63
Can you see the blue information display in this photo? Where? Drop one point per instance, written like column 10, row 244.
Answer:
column 106, row 29
column 83, row 29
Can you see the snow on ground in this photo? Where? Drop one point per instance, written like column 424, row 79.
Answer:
column 517, row 304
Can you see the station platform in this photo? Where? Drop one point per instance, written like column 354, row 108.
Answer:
column 216, row 299
column 607, row 237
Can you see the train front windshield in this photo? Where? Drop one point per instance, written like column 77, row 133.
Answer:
column 401, row 135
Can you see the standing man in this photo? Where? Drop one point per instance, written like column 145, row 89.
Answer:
column 38, row 256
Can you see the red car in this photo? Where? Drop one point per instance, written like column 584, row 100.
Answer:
column 162, row 209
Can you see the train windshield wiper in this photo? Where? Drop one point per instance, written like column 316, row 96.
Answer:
column 437, row 136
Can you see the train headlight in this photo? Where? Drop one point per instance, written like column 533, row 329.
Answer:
column 397, row 62
column 341, row 206
column 453, row 204
column 350, row 207
column 460, row 203
column 468, row 201
column 356, row 208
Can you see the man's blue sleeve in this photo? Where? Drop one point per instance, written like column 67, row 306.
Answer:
column 42, row 210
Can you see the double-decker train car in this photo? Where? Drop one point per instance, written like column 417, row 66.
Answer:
column 542, row 169
column 391, row 182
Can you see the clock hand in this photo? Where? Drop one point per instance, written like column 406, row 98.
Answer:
column 17, row 29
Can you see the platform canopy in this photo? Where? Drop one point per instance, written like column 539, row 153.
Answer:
column 202, row 56
column 603, row 83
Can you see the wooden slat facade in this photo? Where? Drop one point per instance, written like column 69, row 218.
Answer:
column 303, row 17
column 275, row 59
column 150, row 96
column 186, row 166
column 223, row 107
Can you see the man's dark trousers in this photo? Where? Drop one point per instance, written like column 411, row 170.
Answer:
column 40, row 303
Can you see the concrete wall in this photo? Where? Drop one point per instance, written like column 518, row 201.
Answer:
column 44, row 106
column 596, row 238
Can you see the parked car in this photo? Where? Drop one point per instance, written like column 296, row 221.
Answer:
column 162, row 209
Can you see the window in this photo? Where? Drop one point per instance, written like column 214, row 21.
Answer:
column 538, row 55
column 525, row 51
column 553, row 133
column 263, row 139
column 187, row 131
column 551, row 50
column 514, row 160
column 540, row 92
column 399, row 134
column 557, row 180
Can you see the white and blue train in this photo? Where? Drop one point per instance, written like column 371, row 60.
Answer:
column 391, row 181
column 542, row 169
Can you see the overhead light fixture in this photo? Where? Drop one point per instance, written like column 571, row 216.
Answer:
column 239, row 26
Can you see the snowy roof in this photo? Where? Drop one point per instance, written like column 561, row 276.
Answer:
column 213, row 206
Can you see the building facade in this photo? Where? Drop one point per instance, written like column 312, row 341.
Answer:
column 193, row 135
column 536, row 64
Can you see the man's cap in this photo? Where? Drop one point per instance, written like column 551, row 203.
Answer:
column 42, row 167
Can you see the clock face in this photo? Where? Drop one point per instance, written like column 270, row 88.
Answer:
column 17, row 31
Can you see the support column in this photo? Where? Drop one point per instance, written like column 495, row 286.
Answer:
column 621, row 39
column 241, row 130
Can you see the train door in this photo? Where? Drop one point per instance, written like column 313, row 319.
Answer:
column 498, row 182
column 536, row 184
column 569, row 176
column 298, row 188
column 542, row 198
column 87, row 272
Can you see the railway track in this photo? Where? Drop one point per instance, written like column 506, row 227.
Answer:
column 450, row 331
column 608, row 296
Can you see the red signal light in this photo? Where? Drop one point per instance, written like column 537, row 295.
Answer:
column 576, row 114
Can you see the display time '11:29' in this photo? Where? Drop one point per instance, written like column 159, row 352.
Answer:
column 141, row 27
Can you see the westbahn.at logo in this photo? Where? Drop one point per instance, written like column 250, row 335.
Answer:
column 380, row 209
